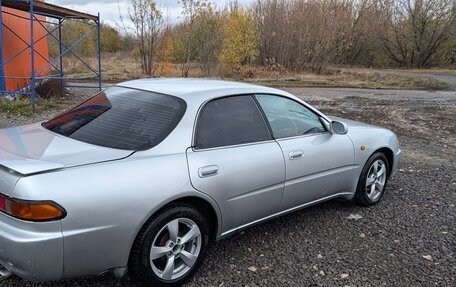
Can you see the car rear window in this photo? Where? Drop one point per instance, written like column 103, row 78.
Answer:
column 121, row 118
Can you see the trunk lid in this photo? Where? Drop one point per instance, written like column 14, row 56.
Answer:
column 31, row 149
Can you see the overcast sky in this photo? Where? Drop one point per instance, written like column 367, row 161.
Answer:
column 109, row 9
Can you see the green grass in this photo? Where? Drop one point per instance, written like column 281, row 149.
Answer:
column 23, row 107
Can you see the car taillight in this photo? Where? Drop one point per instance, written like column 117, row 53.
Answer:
column 2, row 204
column 30, row 210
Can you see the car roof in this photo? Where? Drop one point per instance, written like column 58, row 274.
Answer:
column 202, row 89
column 195, row 92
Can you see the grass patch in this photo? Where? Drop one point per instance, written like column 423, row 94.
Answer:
column 355, row 78
column 23, row 106
column 118, row 67
column 430, row 84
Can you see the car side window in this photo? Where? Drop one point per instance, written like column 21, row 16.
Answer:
column 230, row 121
column 288, row 118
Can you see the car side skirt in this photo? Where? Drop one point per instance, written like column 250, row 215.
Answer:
column 344, row 195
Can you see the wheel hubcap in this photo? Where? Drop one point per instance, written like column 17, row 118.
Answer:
column 175, row 249
column 376, row 178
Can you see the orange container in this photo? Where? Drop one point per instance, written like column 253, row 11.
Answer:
column 18, row 22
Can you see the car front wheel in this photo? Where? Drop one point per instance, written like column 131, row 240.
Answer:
column 170, row 247
column 373, row 180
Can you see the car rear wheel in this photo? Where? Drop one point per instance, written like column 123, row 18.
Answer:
column 170, row 247
column 373, row 180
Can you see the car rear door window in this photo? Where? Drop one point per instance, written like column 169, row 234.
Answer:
column 121, row 118
column 288, row 118
column 230, row 121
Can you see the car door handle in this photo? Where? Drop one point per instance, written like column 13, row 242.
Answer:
column 297, row 154
column 209, row 170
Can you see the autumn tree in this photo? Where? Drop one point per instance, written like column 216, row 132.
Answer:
column 72, row 31
column 147, row 22
column 239, row 46
column 110, row 39
column 191, row 10
column 207, row 38
column 165, row 55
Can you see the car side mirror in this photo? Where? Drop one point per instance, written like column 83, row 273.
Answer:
column 339, row 128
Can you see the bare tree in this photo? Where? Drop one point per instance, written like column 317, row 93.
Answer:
column 147, row 26
column 412, row 31
column 301, row 34
column 208, row 38
column 357, row 30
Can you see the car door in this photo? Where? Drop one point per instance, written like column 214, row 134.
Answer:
column 319, row 164
column 235, row 161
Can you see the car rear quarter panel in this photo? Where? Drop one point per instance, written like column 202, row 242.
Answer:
column 33, row 251
column 19, row 241
column 107, row 204
column 8, row 180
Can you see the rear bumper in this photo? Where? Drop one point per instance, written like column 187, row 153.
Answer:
column 397, row 158
column 32, row 251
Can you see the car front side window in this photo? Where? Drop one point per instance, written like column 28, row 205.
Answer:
column 288, row 118
column 230, row 121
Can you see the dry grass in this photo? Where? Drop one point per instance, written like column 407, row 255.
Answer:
column 119, row 67
column 354, row 78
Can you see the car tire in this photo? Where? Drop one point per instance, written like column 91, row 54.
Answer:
column 373, row 180
column 175, row 238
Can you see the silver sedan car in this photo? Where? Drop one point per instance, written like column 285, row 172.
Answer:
column 145, row 174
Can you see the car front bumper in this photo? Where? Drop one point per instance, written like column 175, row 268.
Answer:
column 32, row 251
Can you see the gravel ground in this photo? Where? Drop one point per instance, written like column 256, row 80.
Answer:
column 406, row 240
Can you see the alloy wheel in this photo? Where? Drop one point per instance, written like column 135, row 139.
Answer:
column 376, row 179
column 175, row 249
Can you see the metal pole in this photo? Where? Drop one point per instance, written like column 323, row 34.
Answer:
column 68, row 49
column 25, row 42
column 32, row 55
column 61, row 57
column 99, row 52
column 2, row 67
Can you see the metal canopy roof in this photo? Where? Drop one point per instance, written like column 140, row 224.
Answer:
column 47, row 9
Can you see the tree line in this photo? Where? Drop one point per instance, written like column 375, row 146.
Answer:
column 285, row 35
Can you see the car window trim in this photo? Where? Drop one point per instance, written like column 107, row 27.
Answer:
column 232, row 146
column 263, row 115
column 269, row 125
column 302, row 136
column 198, row 115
